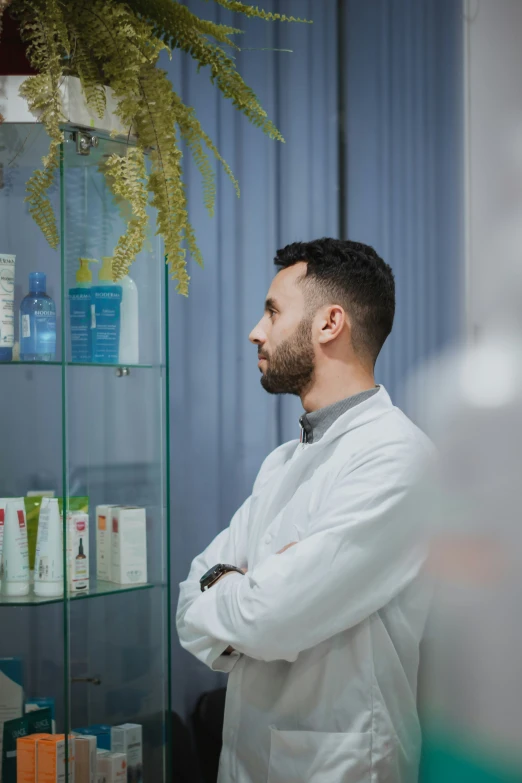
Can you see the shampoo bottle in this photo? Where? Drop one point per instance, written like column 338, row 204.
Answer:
column 16, row 549
column 106, row 300
column 129, row 331
column 80, row 315
column 37, row 322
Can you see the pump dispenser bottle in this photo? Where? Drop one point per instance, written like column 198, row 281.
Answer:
column 80, row 313
column 106, row 324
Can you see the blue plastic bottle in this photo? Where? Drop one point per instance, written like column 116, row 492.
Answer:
column 80, row 313
column 106, row 297
column 37, row 322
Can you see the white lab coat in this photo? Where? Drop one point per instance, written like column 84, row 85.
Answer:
column 322, row 686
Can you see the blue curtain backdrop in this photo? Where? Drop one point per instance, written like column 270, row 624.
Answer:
column 370, row 106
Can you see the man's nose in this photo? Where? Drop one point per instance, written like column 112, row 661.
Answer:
column 257, row 335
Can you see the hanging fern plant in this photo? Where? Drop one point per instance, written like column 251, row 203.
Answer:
column 107, row 43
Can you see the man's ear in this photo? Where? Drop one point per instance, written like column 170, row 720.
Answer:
column 332, row 322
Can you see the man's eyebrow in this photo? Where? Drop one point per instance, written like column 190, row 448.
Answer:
column 270, row 304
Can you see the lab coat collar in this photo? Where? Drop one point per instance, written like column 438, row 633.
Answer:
column 369, row 410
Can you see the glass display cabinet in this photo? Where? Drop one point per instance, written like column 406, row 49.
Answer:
column 87, row 638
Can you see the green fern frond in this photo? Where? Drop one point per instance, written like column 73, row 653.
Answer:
column 126, row 176
column 172, row 21
column 43, row 25
column 89, row 75
column 116, row 44
column 254, row 12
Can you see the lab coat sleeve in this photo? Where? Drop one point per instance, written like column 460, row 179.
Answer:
column 228, row 547
column 362, row 549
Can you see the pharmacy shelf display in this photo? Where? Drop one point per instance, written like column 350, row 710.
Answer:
column 84, row 478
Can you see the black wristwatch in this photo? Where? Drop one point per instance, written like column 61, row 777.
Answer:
column 208, row 579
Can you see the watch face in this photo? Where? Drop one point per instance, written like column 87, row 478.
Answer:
column 211, row 575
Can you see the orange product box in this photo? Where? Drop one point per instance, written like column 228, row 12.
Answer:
column 50, row 759
column 26, row 751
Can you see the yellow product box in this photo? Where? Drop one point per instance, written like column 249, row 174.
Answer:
column 26, row 752
column 50, row 759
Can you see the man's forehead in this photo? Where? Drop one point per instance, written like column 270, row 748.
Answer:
column 285, row 283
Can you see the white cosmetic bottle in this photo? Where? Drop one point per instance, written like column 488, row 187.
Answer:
column 16, row 549
column 129, row 323
column 48, row 569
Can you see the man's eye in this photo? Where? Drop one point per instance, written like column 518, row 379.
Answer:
column 271, row 314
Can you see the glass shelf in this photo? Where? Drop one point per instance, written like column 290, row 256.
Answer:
column 81, row 364
column 98, row 589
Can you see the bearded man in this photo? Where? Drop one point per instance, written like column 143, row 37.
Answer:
column 310, row 598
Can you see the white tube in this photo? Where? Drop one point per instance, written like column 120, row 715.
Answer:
column 48, row 569
column 16, row 549
column 7, row 281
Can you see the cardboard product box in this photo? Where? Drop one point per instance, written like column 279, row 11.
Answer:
column 78, row 551
column 50, row 759
column 129, row 545
column 26, row 754
column 104, row 542
column 102, row 733
column 39, row 722
column 127, row 739
column 85, row 758
column 11, row 694
column 46, row 702
column 112, row 768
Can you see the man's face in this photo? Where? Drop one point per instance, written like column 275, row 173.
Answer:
column 284, row 336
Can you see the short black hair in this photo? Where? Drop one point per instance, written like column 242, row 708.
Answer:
column 354, row 276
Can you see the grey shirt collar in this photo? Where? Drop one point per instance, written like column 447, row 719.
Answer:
column 316, row 423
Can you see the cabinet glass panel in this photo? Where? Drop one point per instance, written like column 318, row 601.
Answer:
column 87, row 424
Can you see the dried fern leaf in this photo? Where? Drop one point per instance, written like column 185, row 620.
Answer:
column 254, row 12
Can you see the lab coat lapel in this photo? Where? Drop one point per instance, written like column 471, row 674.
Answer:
column 308, row 457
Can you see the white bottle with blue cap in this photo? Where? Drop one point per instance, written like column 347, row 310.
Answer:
column 37, row 322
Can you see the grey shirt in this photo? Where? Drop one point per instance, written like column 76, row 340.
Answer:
column 315, row 424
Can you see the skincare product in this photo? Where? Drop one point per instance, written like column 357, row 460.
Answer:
column 35, row 723
column 48, row 571
column 80, row 313
column 129, row 545
column 85, row 756
column 101, row 732
column 104, row 542
column 16, row 553
column 26, row 750
column 11, row 694
column 37, row 322
column 32, row 512
column 129, row 329
column 78, row 551
column 50, row 759
column 112, row 768
column 33, row 705
column 127, row 739
column 107, row 301
column 7, row 285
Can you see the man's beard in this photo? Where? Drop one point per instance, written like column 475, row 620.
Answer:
column 291, row 366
